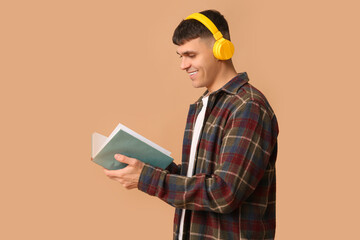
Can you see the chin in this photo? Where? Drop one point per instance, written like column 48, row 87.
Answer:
column 196, row 85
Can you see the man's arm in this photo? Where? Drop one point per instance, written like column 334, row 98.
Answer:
column 250, row 136
column 245, row 151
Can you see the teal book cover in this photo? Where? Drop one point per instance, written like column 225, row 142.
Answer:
column 129, row 143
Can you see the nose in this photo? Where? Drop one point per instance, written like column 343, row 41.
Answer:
column 185, row 64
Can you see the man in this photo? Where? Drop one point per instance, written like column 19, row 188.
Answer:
column 225, row 186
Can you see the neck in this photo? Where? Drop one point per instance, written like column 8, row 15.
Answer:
column 226, row 73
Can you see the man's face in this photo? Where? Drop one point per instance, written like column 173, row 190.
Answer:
column 198, row 61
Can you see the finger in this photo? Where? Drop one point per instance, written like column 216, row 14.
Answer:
column 113, row 173
column 125, row 159
column 129, row 186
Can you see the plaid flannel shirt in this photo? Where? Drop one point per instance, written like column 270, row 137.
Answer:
column 232, row 192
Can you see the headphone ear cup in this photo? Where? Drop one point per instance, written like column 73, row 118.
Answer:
column 223, row 49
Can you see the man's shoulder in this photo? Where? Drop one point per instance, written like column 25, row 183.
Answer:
column 248, row 94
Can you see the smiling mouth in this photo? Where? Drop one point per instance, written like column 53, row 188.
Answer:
column 192, row 73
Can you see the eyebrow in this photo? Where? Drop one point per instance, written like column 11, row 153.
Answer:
column 186, row 53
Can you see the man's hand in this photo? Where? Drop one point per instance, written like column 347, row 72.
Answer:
column 128, row 176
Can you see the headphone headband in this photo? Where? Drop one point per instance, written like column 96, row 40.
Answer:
column 223, row 49
column 208, row 23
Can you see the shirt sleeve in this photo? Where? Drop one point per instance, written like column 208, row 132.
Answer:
column 173, row 168
column 246, row 147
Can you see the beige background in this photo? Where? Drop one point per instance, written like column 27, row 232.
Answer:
column 68, row 68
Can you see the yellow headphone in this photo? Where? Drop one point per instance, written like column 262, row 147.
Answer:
column 223, row 49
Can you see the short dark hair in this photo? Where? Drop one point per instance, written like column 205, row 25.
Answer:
column 191, row 28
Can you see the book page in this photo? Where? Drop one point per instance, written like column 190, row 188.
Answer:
column 97, row 142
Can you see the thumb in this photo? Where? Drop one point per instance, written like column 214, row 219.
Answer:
column 123, row 159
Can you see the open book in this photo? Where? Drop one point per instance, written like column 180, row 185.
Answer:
column 129, row 143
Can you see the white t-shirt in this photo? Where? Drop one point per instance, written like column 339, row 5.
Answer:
column 194, row 142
